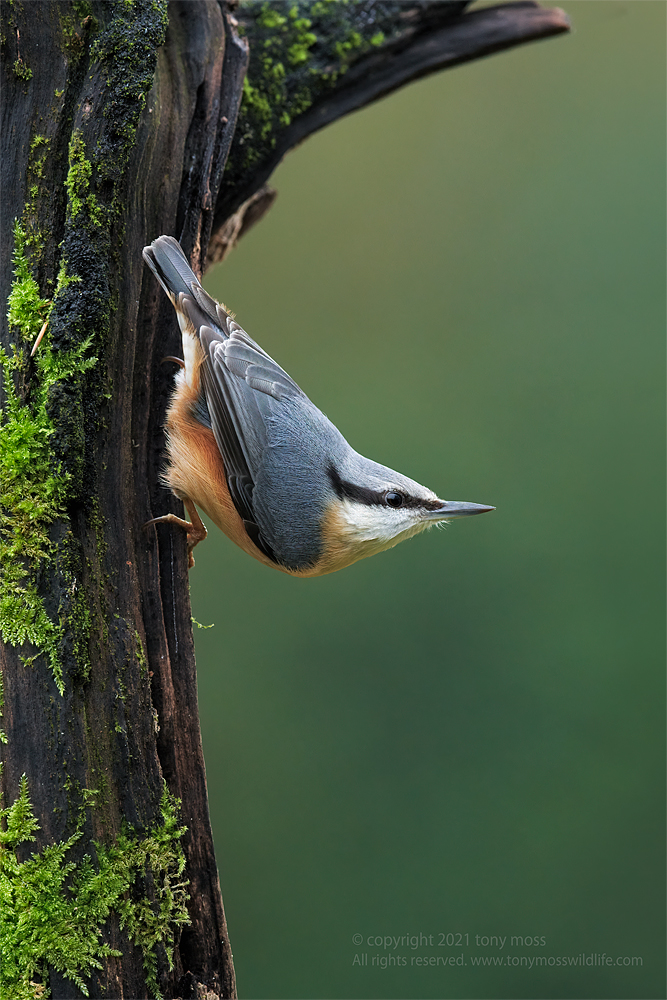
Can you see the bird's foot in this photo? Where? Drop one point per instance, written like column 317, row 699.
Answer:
column 195, row 527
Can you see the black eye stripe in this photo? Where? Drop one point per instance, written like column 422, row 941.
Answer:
column 349, row 491
column 375, row 498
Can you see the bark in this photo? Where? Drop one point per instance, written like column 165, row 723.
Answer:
column 117, row 127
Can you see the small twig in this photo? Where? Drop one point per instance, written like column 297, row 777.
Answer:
column 39, row 337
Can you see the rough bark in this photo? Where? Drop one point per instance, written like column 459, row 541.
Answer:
column 116, row 127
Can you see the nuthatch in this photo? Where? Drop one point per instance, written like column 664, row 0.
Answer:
column 247, row 446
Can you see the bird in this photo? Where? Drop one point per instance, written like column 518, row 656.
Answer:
column 248, row 447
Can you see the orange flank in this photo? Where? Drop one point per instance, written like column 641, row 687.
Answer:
column 196, row 471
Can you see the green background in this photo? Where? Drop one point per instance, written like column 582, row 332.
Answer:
column 464, row 734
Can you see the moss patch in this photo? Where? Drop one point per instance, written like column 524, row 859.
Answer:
column 82, row 8
column 53, row 910
column 3, row 735
column 141, row 656
column 36, row 189
column 22, row 70
column 75, row 27
column 78, row 182
column 38, row 150
column 50, row 407
column 298, row 51
column 33, row 490
column 127, row 49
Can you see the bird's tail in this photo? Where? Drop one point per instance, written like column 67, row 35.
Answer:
column 170, row 266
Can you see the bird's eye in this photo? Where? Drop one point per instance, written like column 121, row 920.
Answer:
column 393, row 499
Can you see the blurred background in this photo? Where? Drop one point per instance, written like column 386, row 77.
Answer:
column 464, row 735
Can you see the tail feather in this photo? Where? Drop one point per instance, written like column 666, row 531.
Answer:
column 170, row 266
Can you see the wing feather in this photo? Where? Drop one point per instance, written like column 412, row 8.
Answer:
column 237, row 377
column 242, row 385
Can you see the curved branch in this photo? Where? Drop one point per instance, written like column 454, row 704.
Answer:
column 422, row 39
column 463, row 39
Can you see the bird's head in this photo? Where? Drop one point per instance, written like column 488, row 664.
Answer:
column 374, row 508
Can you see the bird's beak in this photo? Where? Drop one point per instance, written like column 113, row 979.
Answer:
column 453, row 508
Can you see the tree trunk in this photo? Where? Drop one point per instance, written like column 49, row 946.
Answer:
column 118, row 120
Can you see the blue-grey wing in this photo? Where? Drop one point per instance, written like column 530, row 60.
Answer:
column 243, row 387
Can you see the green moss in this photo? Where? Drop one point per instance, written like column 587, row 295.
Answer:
column 38, row 153
column 53, row 910
column 74, row 612
column 79, row 798
column 127, row 51
column 82, row 8
column 78, row 175
column 152, row 923
column 33, row 492
column 67, row 408
column 64, row 280
column 38, row 150
column 22, row 70
column 285, row 40
column 42, row 427
column 298, row 51
column 97, row 522
column 3, row 735
column 75, row 27
column 346, row 46
column 78, row 182
column 199, row 624
column 141, row 656
column 27, row 309
column 72, row 42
